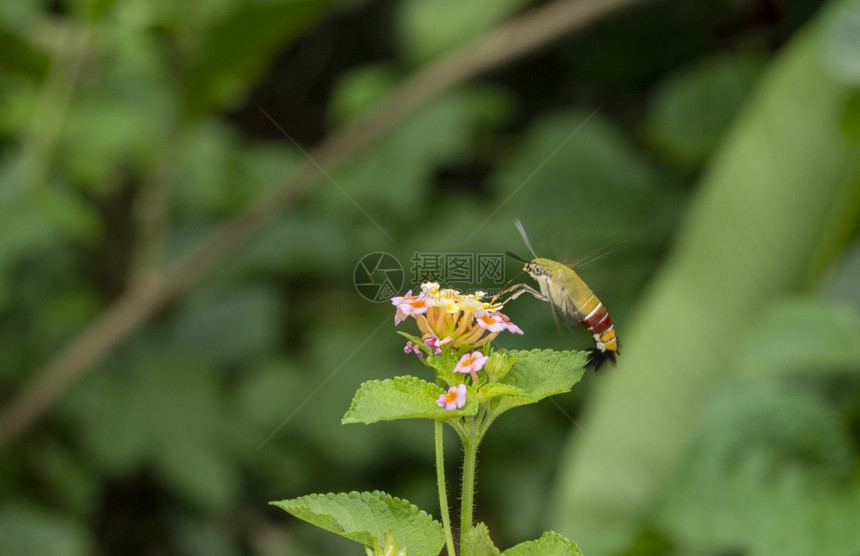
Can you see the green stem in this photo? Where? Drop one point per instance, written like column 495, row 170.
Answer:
column 470, row 460
column 443, row 494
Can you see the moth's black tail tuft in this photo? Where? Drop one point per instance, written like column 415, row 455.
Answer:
column 597, row 358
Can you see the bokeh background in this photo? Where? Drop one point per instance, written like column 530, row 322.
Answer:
column 154, row 396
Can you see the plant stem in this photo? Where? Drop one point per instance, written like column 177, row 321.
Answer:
column 443, row 494
column 470, row 460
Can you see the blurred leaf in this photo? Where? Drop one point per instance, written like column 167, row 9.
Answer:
column 19, row 58
column 366, row 517
column 402, row 397
column 549, row 543
column 30, row 531
column 843, row 284
column 229, row 326
column 303, row 244
column 395, row 173
column 576, row 167
column 691, row 111
column 478, row 542
column 721, row 488
column 733, row 259
column 841, row 42
column 198, row 537
column 851, row 119
column 163, row 410
column 215, row 172
column 123, row 117
column 780, row 425
column 237, row 49
column 359, row 90
column 430, row 27
column 69, row 479
column 269, row 391
column 801, row 334
column 33, row 220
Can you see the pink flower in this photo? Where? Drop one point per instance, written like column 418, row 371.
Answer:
column 410, row 305
column 412, row 348
column 454, row 398
column 433, row 343
column 490, row 320
column 471, row 363
column 511, row 327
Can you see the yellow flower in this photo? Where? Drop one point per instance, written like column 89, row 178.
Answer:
column 451, row 315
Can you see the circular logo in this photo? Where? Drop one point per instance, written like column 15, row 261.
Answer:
column 378, row 277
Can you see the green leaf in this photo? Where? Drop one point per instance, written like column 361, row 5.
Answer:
column 797, row 511
column 359, row 90
column 366, row 517
column 162, row 410
column 405, row 160
column 238, row 47
column 30, row 531
column 733, row 259
column 479, row 543
column 582, row 147
column 789, row 337
column 549, row 544
column 229, row 326
column 840, row 46
column 402, row 397
column 430, row 27
column 539, row 374
column 851, row 118
column 691, row 111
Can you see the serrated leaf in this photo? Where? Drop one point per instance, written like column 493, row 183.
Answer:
column 479, row 543
column 490, row 391
column 549, row 544
column 539, row 374
column 402, row 397
column 368, row 516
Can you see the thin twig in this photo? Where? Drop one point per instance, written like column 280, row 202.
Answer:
column 514, row 39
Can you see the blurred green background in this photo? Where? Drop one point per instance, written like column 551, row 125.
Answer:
column 718, row 141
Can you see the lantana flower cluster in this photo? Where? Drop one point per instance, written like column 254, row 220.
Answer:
column 460, row 321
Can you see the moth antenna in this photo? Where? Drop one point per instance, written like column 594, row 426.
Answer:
column 522, row 230
column 515, row 257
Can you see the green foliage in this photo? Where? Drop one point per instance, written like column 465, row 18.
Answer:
column 549, row 543
column 692, row 111
column 424, row 38
column 162, row 411
column 234, row 50
column 841, row 42
column 779, row 193
column 130, row 130
column 479, row 543
column 367, row 517
column 29, row 531
column 402, row 397
column 534, row 375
